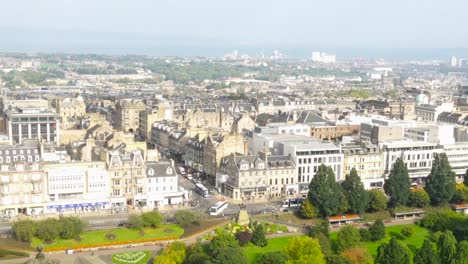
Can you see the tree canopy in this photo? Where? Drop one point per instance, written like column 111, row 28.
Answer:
column 304, row 250
column 393, row 252
column 356, row 195
column 440, row 183
column 398, row 184
column 325, row 193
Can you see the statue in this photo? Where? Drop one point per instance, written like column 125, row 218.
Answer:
column 40, row 258
column 243, row 218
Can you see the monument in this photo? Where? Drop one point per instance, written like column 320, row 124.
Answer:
column 40, row 258
column 243, row 218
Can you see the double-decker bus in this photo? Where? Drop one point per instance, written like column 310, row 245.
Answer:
column 202, row 190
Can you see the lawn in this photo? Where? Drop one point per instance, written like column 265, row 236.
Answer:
column 413, row 242
column 135, row 257
column 274, row 244
column 121, row 234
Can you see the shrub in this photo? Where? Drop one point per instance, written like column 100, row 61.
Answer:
column 407, row 231
column 70, row 227
column 273, row 258
column 348, row 237
column 418, row 198
column 321, row 226
column 243, row 237
column 357, row 255
column 307, row 210
column 111, row 236
column 378, row 201
column 48, row 229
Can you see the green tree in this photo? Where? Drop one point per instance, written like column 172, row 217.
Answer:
column 461, row 194
column 392, row 252
column 48, row 229
column 24, row 230
column 440, row 183
column 135, row 222
column 258, row 236
column 365, row 234
column 325, row 193
column 307, row 210
column 229, row 255
column 325, row 244
column 222, row 240
column 398, row 184
column 377, row 230
column 462, row 253
column 152, row 219
column 273, row 258
column 447, row 247
column 71, row 227
column 348, row 237
column 419, row 198
column 243, row 237
column 377, row 201
column 426, row 254
column 174, row 253
column 407, row 231
column 337, row 259
column 304, row 250
column 321, row 226
column 356, row 195
column 185, row 218
column 465, row 178
column 196, row 255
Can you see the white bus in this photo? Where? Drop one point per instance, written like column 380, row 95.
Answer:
column 218, row 207
column 202, row 190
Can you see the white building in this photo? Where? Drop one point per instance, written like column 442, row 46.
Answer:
column 322, row 57
column 162, row 184
column 417, row 155
column 77, row 187
column 429, row 112
column 457, row 155
column 440, row 133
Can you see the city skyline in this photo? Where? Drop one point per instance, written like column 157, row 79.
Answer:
column 210, row 28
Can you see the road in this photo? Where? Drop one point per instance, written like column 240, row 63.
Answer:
column 107, row 221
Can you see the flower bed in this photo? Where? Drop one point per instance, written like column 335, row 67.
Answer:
column 135, row 257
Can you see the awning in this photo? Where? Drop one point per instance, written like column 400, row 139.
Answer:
column 261, row 189
column 76, row 205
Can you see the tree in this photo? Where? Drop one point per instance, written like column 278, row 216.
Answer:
column 325, row 244
column 229, row 255
column 465, row 178
column 258, row 236
column 71, row 227
column 321, row 226
column 222, row 240
column 348, row 237
column 174, row 253
column 325, row 193
column 462, row 253
column 243, row 237
column 365, row 234
column 356, row 195
column 398, row 184
column 377, row 230
column 461, row 194
column 24, row 230
column 273, row 258
column 135, row 221
column 357, row 255
column 426, row 254
column 196, row 255
column 418, row 198
column 304, row 250
column 440, row 183
column 407, row 230
column 377, row 201
column 307, row 210
column 185, row 218
column 338, row 259
column 48, row 229
column 447, row 247
column 152, row 219
column 392, row 252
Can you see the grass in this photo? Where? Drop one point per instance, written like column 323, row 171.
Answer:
column 413, row 242
column 274, row 244
column 135, row 257
column 122, row 234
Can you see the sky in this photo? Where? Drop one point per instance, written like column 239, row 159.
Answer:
column 146, row 25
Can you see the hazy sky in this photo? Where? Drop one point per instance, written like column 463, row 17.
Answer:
column 286, row 23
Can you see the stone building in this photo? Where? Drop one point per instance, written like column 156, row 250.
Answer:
column 71, row 110
column 127, row 115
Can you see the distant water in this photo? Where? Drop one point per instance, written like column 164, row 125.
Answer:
column 129, row 43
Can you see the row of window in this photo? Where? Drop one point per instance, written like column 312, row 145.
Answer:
column 319, row 160
column 21, row 151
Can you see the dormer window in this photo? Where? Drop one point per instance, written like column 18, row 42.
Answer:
column 150, row 172
column 169, row 171
column 261, row 166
